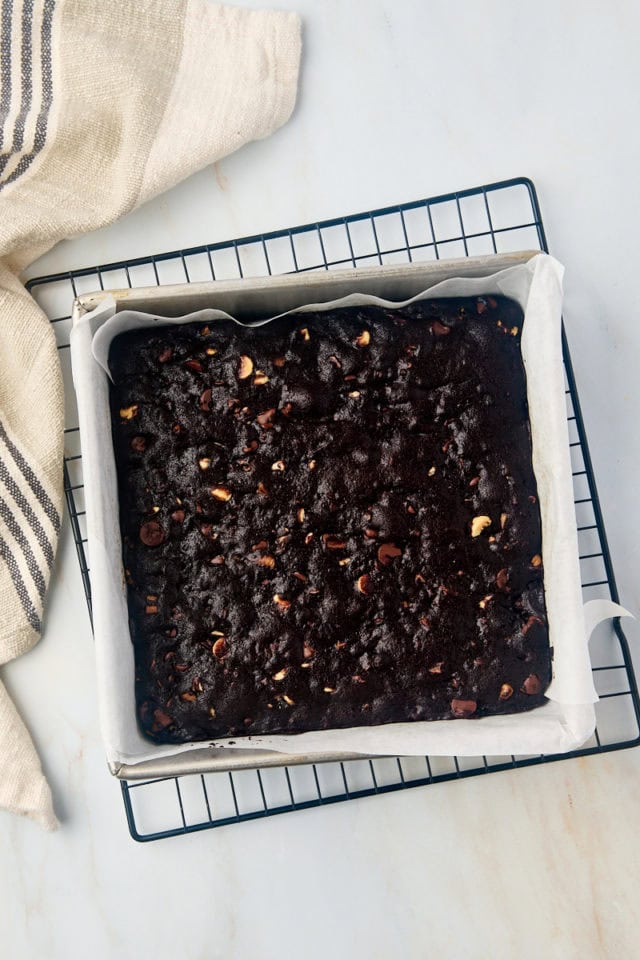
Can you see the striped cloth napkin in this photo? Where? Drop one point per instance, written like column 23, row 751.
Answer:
column 102, row 106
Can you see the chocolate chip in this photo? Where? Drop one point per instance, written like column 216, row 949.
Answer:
column 332, row 542
column 364, row 585
column 440, row 329
column 178, row 516
column 266, row 419
column 162, row 719
column 463, row 708
column 194, row 365
column 151, row 533
column 532, row 685
column 220, row 648
column 138, row 443
column 387, row 552
column 165, row 355
column 502, row 579
column 205, row 400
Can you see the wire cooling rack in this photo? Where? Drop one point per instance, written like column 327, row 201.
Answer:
column 495, row 218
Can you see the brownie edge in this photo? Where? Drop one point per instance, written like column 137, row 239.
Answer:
column 330, row 521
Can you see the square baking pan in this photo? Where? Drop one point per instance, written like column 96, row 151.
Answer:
column 256, row 298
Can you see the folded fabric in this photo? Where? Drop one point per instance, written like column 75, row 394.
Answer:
column 102, row 106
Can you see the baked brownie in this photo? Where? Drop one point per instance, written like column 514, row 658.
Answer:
column 330, row 520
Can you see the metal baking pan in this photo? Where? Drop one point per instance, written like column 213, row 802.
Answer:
column 265, row 297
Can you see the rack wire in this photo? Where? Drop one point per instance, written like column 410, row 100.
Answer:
column 494, row 218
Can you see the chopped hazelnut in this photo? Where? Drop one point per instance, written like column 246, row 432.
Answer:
column 478, row 524
column 245, row 367
column 221, row 493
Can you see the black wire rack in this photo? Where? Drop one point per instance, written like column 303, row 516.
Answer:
column 495, row 218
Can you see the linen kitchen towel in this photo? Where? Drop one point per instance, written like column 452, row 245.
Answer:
column 102, row 106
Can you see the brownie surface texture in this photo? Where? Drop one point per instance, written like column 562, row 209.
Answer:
column 330, row 520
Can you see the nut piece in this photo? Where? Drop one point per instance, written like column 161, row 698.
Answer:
column 261, row 545
column 532, row 684
column 312, row 464
column 281, row 601
column 354, row 394
column 221, row 493
column 463, row 708
column 503, row 519
column 151, row 533
column 278, row 466
column 478, row 524
column 220, row 648
column 344, row 562
column 288, row 700
column 262, row 490
column 279, row 362
column 188, row 697
column 364, row 339
column 485, row 600
column 300, row 515
column 536, row 560
column 431, row 472
column 138, row 444
column 308, row 651
column 506, row 691
column 387, row 552
column 151, row 608
column 128, row 413
column 364, row 585
column 502, row 580
column 178, row 516
column 194, row 365
column 245, row 367
column 437, row 667
column 304, row 333
column 212, row 712
column 217, row 561
column 204, row 463
column 329, row 689
column 260, row 378
column 210, row 352
column 281, row 674
column 205, row 400
column 266, row 561
column 165, row 355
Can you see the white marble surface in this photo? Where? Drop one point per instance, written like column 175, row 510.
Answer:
column 398, row 100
